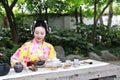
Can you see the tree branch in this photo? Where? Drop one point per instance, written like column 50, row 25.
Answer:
column 3, row 1
column 109, row 2
column 5, row 4
column 13, row 4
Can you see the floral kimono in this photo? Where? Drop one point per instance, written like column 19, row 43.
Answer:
column 30, row 52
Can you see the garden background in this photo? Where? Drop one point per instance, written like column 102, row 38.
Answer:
column 66, row 21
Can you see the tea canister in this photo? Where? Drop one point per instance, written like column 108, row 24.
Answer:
column 18, row 67
column 4, row 69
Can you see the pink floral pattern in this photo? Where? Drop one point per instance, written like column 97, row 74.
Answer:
column 28, row 51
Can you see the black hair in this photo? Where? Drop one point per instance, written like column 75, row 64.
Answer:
column 37, row 23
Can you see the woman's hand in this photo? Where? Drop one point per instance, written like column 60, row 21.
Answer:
column 43, row 57
column 24, row 65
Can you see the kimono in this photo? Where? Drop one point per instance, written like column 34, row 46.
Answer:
column 29, row 52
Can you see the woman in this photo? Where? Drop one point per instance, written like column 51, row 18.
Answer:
column 36, row 49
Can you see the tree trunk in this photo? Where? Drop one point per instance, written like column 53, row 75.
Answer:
column 101, row 19
column 81, row 17
column 94, row 27
column 13, row 26
column 40, row 12
column 46, row 13
column 76, row 15
column 97, row 18
column 110, row 16
column 11, row 19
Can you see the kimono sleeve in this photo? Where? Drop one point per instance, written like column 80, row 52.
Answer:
column 21, row 54
column 52, row 52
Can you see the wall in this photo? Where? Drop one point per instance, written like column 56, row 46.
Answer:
column 67, row 22
column 61, row 22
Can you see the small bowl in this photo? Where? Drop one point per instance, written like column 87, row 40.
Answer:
column 39, row 63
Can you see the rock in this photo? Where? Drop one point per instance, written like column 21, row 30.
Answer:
column 60, row 53
column 93, row 55
column 107, row 56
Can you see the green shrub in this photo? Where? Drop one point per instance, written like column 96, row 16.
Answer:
column 77, row 41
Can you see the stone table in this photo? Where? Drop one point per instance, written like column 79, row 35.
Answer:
column 96, row 71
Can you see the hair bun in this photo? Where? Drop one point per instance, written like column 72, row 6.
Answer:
column 37, row 23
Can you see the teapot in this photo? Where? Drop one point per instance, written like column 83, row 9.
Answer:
column 53, row 63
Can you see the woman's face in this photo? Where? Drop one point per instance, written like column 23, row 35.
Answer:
column 39, row 34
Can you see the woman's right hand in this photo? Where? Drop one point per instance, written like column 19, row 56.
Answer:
column 24, row 65
column 43, row 57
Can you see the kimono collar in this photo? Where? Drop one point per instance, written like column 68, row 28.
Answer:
column 35, row 43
